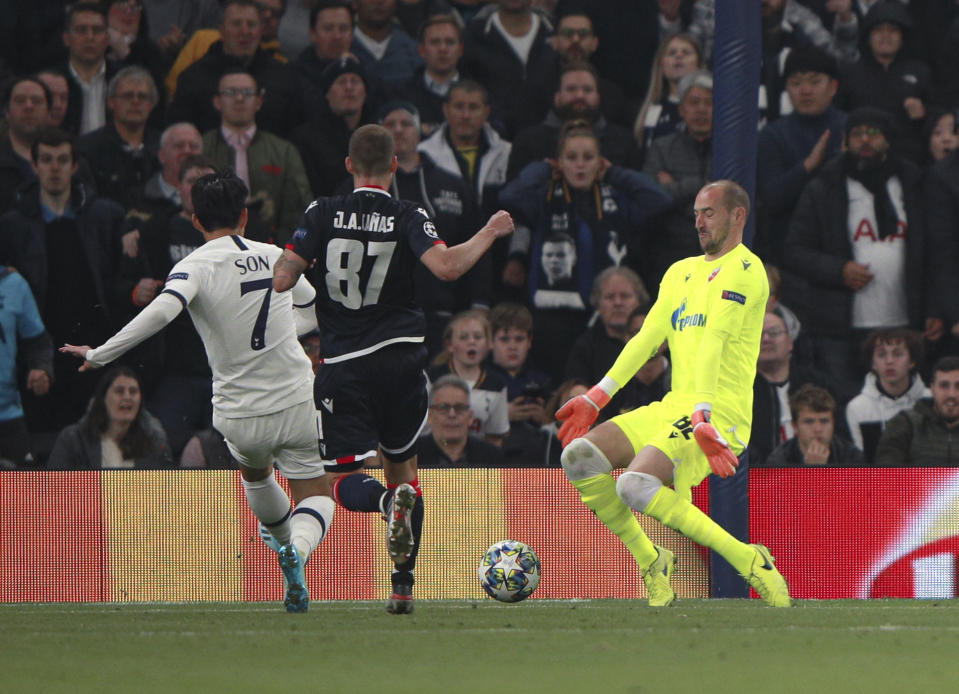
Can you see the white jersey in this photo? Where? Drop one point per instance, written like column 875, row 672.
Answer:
column 248, row 330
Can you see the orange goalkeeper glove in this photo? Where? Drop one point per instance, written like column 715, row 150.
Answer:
column 579, row 413
column 721, row 458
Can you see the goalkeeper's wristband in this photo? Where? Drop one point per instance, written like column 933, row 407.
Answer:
column 598, row 397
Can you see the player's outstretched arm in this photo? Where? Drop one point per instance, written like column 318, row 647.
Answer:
column 79, row 351
column 450, row 264
column 147, row 323
column 287, row 270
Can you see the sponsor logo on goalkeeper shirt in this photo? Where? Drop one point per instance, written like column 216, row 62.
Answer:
column 680, row 322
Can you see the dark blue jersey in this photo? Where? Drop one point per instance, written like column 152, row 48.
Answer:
column 366, row 246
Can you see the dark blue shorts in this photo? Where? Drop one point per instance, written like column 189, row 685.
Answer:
column 378, row 400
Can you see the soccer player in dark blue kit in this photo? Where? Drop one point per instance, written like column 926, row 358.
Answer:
column 371, row 391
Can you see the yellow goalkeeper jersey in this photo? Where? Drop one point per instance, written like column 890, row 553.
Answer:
column 711, row 314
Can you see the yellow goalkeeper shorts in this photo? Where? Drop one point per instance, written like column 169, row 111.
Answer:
column 666, row 425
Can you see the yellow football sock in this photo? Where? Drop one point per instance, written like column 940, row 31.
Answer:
column 599, row 494
column 674, row 512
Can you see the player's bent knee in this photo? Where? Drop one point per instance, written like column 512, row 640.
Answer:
column 582, row 459
column 637, row 489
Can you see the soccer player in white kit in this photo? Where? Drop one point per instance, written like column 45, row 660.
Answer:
column 262, row 378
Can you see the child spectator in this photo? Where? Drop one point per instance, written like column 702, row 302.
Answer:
column 815, row 443
column 526, row 386
column 892, row 385
column 467, row 338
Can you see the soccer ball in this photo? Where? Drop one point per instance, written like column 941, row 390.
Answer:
column 509, row 571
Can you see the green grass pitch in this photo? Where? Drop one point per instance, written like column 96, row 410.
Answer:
column 699, row 646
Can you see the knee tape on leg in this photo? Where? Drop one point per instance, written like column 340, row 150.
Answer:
column 582, row 459
column 637, row 489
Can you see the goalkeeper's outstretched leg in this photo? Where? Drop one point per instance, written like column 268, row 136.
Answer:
column 588, row 467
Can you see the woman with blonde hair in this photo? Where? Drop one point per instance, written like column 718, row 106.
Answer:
column 679, row 55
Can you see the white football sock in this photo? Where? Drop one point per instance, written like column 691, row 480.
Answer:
column 270, row 505
column 310, row 522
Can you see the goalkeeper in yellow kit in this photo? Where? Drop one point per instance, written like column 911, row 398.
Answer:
column 710, row 310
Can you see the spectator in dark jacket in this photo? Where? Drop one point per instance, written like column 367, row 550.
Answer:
column 87, row 68
column 815, row 443
column 892, row 385
column 886, row 77
column 122, row 154
column 239, row 48
column 26, row 103
column 576, row 41
column 942, row 207
column 928, row 434
column 506, row 48
column 323, row 141
column 331, row 31
column 441, row 46
column 778, row 377
column 66, row 244
column 386, row 51
column 526, row 386
column 792, row 148
column 858, row 241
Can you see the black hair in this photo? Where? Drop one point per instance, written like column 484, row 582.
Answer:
column 468, row 85
column 77, row 7
column 53, row 137
column 330, row 5
column 136, row 442
column 810, row 59
column 12, row 83
column 219, row 199
column 949, row 363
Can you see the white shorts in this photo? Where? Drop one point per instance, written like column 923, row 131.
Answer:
column 288, row 438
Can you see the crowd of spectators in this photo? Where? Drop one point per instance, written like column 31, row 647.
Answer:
column 590, row 121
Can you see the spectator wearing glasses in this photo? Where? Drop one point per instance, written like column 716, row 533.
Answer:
column 241, row 30
column 575, row 41
column 778, row 377
column 122, row 154
column 269, row 165
column 450, row 443
column 130, row 44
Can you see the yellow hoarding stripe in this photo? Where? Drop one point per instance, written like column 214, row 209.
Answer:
column 171, row 535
